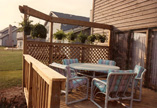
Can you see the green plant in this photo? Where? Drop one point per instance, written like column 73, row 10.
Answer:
column 39, row 31
column 101, row 38
column 91, row 38
column 71, row 36
column 59, row 35
column 82, row 37
column 26, row 26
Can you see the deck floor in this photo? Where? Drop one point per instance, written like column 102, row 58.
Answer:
column 149, row 100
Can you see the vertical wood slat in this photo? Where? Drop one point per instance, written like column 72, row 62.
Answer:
column 30, row 82
column 54, row 94
column 23, row 74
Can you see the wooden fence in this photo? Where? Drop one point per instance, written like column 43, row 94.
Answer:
column 55, row 52
column 41, row 84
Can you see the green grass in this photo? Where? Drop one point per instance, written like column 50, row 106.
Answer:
column 10, row 78
column 10, row 68
column 10, row 60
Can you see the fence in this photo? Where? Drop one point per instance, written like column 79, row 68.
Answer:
column 41, row 84
column 56, row 52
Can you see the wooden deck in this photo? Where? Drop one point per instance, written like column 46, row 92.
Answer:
column 149, row 100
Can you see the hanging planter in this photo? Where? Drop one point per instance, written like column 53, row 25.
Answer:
column 91, row 38
column 26, row 26
column 101, row 38
column 82, row 37
column 71, row 36
column 59, row 35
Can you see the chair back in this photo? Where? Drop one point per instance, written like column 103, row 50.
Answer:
column 106, row 62
column 69, row 61
column 119, row 82
column 139, row 70
column 64, row 70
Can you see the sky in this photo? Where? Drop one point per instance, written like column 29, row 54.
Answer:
column 10, row 14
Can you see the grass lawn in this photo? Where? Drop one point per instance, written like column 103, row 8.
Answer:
column 10, row 68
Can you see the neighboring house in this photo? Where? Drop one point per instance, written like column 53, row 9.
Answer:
column 134, row 34
column 29, row 38
column 8, row 36
column 65, row 27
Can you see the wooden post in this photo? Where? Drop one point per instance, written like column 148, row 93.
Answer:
column 129, row 42
column 50, row 53
column 51, row 32
column 110, row 45
column 148, row 57
column 30, row 82
column 24, row 52
column 51, row 41
column 54, row 94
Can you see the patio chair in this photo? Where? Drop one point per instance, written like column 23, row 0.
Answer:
column 72, row 82
column 106, row 62
column 69, row 61
column 116, row 87
column 138, row 80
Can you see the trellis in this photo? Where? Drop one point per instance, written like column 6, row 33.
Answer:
column 56, row 52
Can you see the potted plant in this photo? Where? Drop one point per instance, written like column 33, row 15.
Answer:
column 39, row 31
column 91, row 38
column 59, row 35
column 82, row 37
column 101, row 38
column 26, row 26
column 71, row 36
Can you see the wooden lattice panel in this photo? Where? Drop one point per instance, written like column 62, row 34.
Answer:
column 93, row 54
column 61, row 52
column 40, row 51
column 44, row 51
column 84, row 53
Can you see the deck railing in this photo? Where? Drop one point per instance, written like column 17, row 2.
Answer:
column 55, row 52
column 41, row 84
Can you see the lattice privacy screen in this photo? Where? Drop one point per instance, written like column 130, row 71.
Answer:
column 59, row 51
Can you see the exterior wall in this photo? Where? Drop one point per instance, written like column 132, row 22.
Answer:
column 5, row 41
column 14, row 40
column 125, row 14
column 20, row 44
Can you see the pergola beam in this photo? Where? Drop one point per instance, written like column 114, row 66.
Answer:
column 32, row 12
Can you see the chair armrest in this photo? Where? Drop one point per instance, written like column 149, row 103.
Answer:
column 138, row 78
column 95, row 79
column 78, row 78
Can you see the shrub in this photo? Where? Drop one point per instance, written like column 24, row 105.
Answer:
column 39, row 31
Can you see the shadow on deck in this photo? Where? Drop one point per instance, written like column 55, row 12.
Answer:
column 149, row 100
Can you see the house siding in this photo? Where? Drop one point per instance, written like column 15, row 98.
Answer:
column 125, row 14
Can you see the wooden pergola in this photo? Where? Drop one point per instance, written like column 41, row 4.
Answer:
column 38, row 78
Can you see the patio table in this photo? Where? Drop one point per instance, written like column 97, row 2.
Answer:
column 92, row 67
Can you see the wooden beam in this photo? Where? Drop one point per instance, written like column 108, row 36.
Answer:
column 40, row 15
